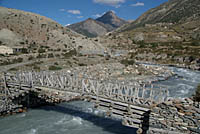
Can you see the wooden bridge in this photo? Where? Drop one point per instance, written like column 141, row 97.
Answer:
column 130, row 103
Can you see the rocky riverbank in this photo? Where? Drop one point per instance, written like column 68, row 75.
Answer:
column 177, row 61
column 181, row 116
column 117, row 72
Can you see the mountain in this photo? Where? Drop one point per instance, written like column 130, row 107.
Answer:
column 172, row 21
column 25, row 29
column 93, row 28
column 169, row 34
column 90, row 28
column 111, row 19
column 173, row 11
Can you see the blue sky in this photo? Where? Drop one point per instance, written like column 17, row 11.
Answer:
column 72, row 11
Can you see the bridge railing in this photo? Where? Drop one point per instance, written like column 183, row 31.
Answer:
column 142, row 94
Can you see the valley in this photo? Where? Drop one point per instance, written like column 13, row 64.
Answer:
column 158, row 52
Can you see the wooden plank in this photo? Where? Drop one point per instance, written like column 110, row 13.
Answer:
column 133, row 125
column 103, row 108
column 120, row 107
column 119, row 112
column 118, row 116
column 137, row 112
column 136, row 116
column 123, row 104
column 104, row 104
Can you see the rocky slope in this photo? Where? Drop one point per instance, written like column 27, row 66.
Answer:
column 175, row 20
column 173, row 11
column 111, row 19
column 90, row 28
column 93, row 28
column 169, row 34
column 19, row 28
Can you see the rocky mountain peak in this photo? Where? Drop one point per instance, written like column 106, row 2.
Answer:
column 110, row 14
column 110, row 18
column 93, row 28
column 90, row 19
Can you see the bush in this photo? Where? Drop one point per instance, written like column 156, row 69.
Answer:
column 35, row 67
column 50, row 55
column 82, row 64
column 41, row 56
column 18, row 60
column 13, row 69
column 30, row 58
column 24, row 51
column 53, row 68
column 41, row 50
column 197, row 94
column 127, row 62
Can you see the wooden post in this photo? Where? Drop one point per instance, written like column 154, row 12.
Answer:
column 143, row 91
column 151, row 93
column 160, row 96
column 5, row 86
column 31, row 80
column 97, row 94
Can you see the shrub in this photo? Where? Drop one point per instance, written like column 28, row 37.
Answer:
column 30, row 58
column 56, row 63
column 197, row 94
column 41, row 50
column 18, row 60
column 24, row 51
column 35, row 67
column 82, row 64
column 141, row 44
column 13, row 69
column 53, row 68
column 127, row 62
column 41, row 56
column 2, row 55
column 50, row 55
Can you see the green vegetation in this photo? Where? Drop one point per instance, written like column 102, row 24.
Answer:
column 70, row 53
column 8, row 62
column 31, row 58
column 141, row 44
column 50, row 55
column 127, row 62
column 197, row 94
column 41, row 50
column 35, row 67
column 54, row 68
column 13, row 69
column 24, row 51
column 18, row 60
column 41, row 56
column 2, row 55
column 82, row 64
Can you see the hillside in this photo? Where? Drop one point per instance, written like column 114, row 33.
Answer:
column 25, row 29
column 173, row 11
column 169, row 33
column 90, row 28
column 102, row 25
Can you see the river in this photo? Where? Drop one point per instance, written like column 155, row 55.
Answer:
column 81, row 118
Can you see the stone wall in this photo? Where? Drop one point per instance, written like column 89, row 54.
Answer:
column 181, row 116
